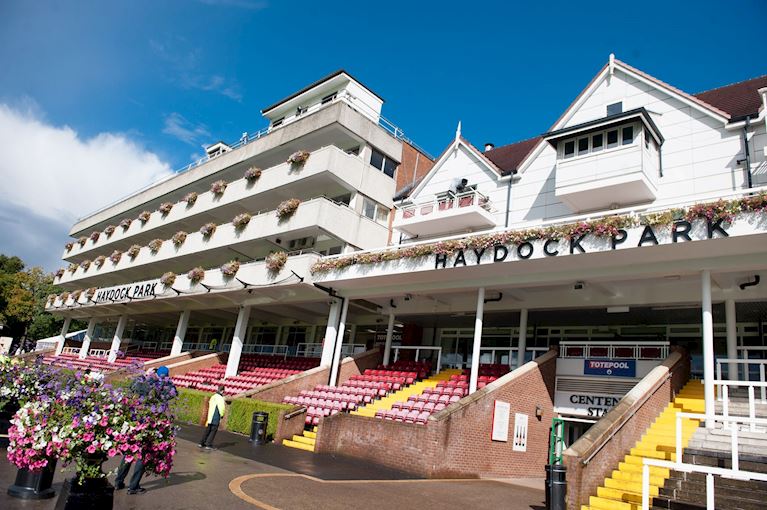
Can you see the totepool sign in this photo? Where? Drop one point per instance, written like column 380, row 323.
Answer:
column 615, row 368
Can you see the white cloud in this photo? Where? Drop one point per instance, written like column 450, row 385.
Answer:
column 51, row 176
column 179, row 127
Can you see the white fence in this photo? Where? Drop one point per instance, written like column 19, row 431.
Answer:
column 678, row 465
column 314, row 350
column 418, row 349
column 628, row 350
column 496, row 355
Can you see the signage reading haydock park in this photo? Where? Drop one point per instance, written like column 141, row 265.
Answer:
column 140, row 290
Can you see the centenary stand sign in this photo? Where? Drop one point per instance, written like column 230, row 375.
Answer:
column 140, row 290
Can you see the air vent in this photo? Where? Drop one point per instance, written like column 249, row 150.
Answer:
column 599, row 386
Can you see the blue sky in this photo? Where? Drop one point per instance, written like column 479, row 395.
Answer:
column 162, row 78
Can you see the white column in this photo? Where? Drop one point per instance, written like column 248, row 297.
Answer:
column 240, row 330
column 522, row 343
column 119, row 330
column 329, row 341
column 178, row 339
column 336, row 365
column 63, row 335
column 732, row 338
column 352, row 333
column 87, row 340
column 477, row 340
column 708, row 348
column 389, row 336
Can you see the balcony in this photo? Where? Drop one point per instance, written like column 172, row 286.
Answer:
column 329, row 171
column 622, row 176
column 464, row 212
column 320, row 218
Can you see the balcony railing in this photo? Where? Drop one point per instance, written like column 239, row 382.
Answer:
column 447, row 203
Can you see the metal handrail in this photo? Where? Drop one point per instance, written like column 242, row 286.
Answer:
column 444, row 203
column 418, row 349
column 611, row 347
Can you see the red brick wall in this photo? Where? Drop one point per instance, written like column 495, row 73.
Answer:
column 190, row 365
column 407, row 170
column 456, row 442
column 627, row 421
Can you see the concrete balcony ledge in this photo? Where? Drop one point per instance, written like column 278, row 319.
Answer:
column 465, row 212
column 319, row 213
column 623, row 176
column 327, row 171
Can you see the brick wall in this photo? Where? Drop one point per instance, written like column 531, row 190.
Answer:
column 456, row 442
column 196, row 363
column 407, row 171
column 626, row 423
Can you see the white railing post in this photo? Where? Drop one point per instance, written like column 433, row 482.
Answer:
column 752, row 407
column 761, row 380
column 708, row 347
column 734, row 446
column 718, row 378
column 645, row 487
column 725, row 403
column 710, row 492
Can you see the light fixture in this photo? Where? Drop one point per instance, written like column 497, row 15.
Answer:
column 538, row 412
column 618, row 309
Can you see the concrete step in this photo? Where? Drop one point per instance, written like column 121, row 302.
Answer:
column 598, row 503
column 310, row 433
column 630, row 476
column 665, row 503
column 627, row 467
column 297, row 445
column 722, row 501
column 304, row 439
column 680, row 480
column 746, row 462
column 631, row 486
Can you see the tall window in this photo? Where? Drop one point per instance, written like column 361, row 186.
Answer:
column 383, row 163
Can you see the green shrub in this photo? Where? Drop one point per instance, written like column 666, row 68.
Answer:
column 241, row 415
column 190, row 404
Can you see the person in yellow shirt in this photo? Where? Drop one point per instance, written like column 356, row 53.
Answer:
column 216, row 411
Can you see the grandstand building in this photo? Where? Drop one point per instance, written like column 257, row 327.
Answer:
column 487, row 297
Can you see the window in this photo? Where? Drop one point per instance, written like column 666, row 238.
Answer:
column 369, row 208
column 615, row 108
column 383, row 163
column 628, row 135
column 278, row 122
column 295, row 335
column 382, row 214
column 646, row 139
column 612, row 138
column 569, row 149
column 328, row 98
column 596, row 142
column 583, row 146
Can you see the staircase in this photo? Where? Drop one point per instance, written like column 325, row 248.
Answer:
column 623, row 489
column 402, row 395
column 305, row 441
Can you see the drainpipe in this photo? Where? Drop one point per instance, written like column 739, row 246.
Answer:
column 748, row 153
column 508, row 199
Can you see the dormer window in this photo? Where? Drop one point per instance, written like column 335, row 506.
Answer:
column 615, row 108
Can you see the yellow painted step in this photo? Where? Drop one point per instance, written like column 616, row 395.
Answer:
column 596, row 502
column 626, row 467
column 303, row 439
column 621, row 495
column 631, row 486
column 295, row 444
column 636, row 477
column 309, row 433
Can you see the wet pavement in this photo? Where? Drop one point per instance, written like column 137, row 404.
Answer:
column 239, row 475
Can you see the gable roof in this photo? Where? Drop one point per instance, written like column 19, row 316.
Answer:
column 508, row 157
column 740, row 99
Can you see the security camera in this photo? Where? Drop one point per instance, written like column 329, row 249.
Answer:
column 579, row 286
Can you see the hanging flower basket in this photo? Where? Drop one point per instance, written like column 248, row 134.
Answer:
column 116, row 256
column 196, row 275
column 298, row 158
column 275, row 261
column 51, row 299
column 133, row 251
column 125, row 223
column 90, row 293
column 99, row 261
column 218, row 187
column 252, row 174
column 208, row 229
column 287, row 208
column 241, row 220
column 179, row 238
column 144, row 216
column 85, row 264
column 64, row 296
column 109, row 230
column 230, row 268
column 190, row 198
column 69, row 246
column 165, row 208
column 95, row 236
column 72, row 267
column 59, row 273
column 168, row 279
column 155, row 245
column 76, row 294
column 82, row 240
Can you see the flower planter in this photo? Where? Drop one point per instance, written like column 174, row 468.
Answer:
column 90, row 493
column 34, row 485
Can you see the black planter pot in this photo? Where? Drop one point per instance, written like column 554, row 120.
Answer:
column 31, row 485
column 6, row 413
column 90, row 494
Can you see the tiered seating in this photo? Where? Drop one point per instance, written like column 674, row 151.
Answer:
column 488, row 373
column 92, row 362
column 415, row 403
column 359, row 389
column 151, row 354
column 255, row 371
column 423, row 368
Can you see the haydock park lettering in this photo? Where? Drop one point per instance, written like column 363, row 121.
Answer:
column 680, row 232
column 141, row 290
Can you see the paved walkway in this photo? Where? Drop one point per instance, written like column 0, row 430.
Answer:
column 241, row 476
